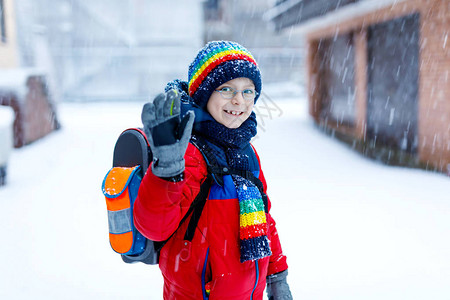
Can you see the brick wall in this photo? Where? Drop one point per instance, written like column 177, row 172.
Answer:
column 34, row 113
column 434, row 104
column 39, row 114
column 434, row 77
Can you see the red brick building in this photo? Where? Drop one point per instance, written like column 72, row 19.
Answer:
column 378, row 74
column 24, row 90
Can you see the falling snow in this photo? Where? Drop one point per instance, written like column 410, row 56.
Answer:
column 351, row 228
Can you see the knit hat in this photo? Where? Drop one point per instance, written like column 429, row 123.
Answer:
column 217, row 63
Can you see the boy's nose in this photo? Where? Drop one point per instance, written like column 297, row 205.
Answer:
column 237, row 99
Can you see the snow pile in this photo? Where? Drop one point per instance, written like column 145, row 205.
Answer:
column 352, row 228
column 15, row 80
column 6, row 132
column 6, row 116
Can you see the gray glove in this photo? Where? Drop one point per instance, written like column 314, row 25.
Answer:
column 167, row 134
column 277, row 287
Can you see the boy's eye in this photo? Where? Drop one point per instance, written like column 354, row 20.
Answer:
column 248, row 92
column 226, row 89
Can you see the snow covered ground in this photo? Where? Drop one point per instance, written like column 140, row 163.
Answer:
column 352, row 228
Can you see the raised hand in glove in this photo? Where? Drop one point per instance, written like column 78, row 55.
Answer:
column 277, row 287
column 167, row 134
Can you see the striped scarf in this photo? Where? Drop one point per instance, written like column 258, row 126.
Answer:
column 254, row 243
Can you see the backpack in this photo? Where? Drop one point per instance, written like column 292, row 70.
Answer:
column 131, row 159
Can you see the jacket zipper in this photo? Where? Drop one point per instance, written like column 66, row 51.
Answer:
column 205, row 296
column 256, row 280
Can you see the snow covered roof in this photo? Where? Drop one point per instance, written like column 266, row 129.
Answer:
column 306, row 9
column 328, row 17
column 292, row 12
column 15, row 80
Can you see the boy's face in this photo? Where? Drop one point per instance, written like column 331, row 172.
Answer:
column 232, row 112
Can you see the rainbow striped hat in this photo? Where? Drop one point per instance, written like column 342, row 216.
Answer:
column 217, row 63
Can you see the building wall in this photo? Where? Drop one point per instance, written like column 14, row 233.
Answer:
column 434, row 69
column 434, row 107
column 8, row 48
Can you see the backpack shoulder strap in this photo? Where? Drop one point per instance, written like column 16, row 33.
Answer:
column 196, row 208
column 217, row 172
column 211, row 162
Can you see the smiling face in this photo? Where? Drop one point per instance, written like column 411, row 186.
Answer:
column 231, row 112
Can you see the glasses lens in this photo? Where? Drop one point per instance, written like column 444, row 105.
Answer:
column 227, row 92
column 249, row 94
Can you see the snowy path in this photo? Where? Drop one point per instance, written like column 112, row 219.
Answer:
column 352, row 228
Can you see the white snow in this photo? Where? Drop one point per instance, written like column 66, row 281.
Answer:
column 6, row 134
column 6, row 116
column 15, row 80
column 351, row 227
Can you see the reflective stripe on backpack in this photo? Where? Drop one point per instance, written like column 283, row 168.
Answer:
column 120, row 188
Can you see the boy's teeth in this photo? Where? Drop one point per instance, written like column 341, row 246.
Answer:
column 233, row 112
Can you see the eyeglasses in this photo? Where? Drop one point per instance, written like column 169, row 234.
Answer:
column 229, row 93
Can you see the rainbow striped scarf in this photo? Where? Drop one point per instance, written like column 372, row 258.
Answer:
column 254, row 243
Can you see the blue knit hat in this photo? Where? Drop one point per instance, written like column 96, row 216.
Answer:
column 217, row 63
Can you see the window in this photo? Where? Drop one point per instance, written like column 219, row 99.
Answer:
column 393, row 76
column 2, row 22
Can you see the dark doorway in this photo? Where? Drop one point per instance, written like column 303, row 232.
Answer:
column 393, row 71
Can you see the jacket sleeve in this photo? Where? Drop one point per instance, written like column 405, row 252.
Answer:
column 277, row 261
column 161, row 204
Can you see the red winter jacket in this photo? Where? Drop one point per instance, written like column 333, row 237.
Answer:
column 212, row 260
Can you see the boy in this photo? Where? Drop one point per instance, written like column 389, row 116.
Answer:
column 235, row 250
